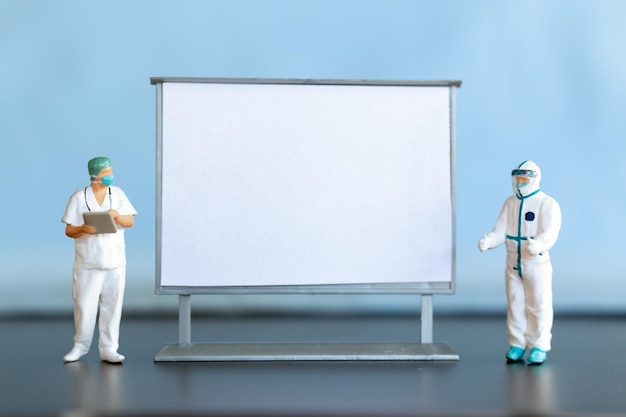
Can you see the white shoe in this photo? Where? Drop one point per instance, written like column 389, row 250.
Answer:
column 111, row 356
column 76, row 353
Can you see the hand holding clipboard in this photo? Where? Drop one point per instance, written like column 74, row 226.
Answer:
column 101, row 220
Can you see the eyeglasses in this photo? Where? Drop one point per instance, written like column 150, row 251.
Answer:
column 523, row 173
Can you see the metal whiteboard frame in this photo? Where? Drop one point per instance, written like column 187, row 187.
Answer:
column 185, row 350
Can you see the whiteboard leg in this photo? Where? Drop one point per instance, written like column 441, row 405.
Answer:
column 184, row 319
column 189, row 352
column 427, row 318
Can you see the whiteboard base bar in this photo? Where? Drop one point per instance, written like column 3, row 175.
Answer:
column 257, row 352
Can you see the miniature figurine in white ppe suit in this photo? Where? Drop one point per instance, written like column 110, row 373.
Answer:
column 529, row 225
column 100, row 262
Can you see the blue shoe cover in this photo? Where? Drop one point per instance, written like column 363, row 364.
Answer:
column 537, row 356
column 515, row 354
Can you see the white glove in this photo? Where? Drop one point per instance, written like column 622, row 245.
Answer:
column 484, row 243
column 532, row 246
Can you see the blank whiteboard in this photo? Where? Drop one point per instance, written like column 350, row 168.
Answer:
column 305, row 186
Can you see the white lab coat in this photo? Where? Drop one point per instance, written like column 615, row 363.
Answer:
column 99, row 269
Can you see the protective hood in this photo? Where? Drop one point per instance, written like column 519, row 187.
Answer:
column 534, row 181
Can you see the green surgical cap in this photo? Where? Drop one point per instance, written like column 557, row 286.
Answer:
column 98, row 164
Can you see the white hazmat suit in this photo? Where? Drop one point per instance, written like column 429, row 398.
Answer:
column 529, row 225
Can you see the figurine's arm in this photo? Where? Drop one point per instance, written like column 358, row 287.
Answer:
column 77, row 231
column 124, row 220
column 497, row 236
column 549, row 228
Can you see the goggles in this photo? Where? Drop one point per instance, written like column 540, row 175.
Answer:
column 523, row 173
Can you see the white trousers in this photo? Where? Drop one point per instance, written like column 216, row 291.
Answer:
column 529, row 312
column 102, row 289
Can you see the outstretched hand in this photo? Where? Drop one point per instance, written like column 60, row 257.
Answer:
column 484, row 243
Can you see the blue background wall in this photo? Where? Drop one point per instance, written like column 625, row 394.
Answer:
column 542, row 80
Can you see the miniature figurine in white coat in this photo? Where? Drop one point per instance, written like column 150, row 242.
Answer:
column 100, row 262
column 529, row 225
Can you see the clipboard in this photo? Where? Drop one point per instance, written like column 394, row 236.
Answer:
column 102, row 220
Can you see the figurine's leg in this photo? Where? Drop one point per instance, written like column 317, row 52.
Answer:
column 111, row 302
column 86, row 292
column 516, row 316
column 539, row 310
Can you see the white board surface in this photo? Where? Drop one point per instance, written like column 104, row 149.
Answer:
column 304, row 184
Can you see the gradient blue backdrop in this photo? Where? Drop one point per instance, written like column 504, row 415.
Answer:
column 542, row 80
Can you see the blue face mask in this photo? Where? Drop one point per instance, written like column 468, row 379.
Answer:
column 107, row 180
